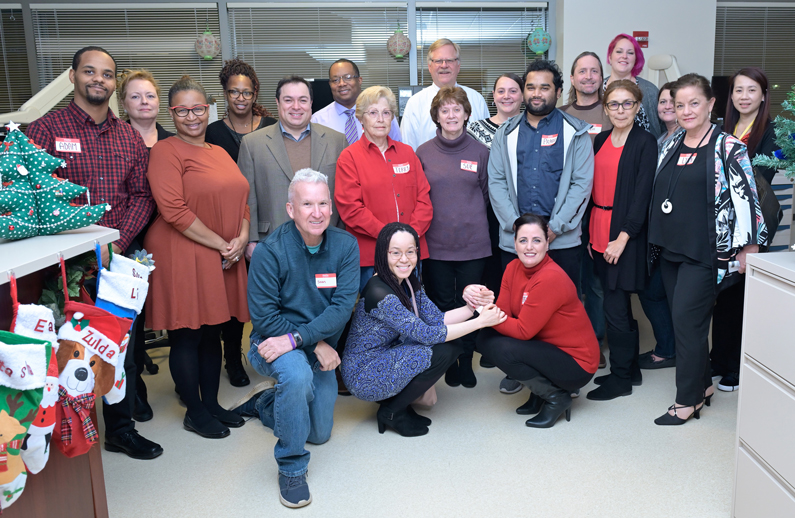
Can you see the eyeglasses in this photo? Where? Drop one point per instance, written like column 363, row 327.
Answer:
column 237, row 93
column 198, row 110
column 440, row 62
column 373, row 114
column 627, row 105
column 347, row 78
column 410, row 255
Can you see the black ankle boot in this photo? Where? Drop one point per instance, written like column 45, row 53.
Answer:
column 401, row 422
column 533, row 406
column 421, row 419
column 234, row 365
column 451, row 376
column 465, row 373
column 557, row 401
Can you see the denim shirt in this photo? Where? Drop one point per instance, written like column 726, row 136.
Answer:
column 539, row 157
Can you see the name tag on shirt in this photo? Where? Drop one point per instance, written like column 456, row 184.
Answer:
column 548, row 140
column 524, row 297
column 686, row 158
column 595, row 129
column 401, row 168
column 326, row 280
column 468, row 165
column 67, row 145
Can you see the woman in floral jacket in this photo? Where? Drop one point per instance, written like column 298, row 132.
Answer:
column 703, row 220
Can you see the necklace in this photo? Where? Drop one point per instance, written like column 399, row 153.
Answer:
column 667, row 207
column 235, row 134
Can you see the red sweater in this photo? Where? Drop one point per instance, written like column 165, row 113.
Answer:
column 371, row 190
column 541, row 303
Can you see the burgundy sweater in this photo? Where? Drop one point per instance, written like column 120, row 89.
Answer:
column 457, row 171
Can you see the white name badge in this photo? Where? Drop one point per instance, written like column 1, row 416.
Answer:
column 67, row 145
column 326, row 280
column 401, row 168
column 686, row 158
column 468, row 165
column 548, row 140
column 595, row 129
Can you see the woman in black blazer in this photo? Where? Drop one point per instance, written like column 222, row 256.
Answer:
column 625, row 159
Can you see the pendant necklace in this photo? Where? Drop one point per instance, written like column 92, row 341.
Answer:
column 667, row 207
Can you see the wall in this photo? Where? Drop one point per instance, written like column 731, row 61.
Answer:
column 684, row 28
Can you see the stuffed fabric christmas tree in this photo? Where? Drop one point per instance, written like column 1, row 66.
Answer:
column 785, row 138
column 33, row 199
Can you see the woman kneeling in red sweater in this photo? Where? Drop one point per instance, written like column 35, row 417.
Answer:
column 547, row 342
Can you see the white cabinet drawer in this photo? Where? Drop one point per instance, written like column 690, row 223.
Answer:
column 757, row 494
column 768, row 331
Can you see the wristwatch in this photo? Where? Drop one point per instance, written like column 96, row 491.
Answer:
column 298, row 340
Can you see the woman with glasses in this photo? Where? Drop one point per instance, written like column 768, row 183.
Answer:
column 243, row 114
column 379, row 180
column 704, row 219
column 626, row 61
column 456, row 166
column 198, row 240
column 400, row 343
column 625, row 158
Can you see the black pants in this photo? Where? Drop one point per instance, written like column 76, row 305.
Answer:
column 232, row 333
column 569, row 259
column 195, row 364
column 727, row 329
column 527, row 359
column 443, row 356
column 690, row 288
column 617, row 305
column 492, row 273
column 445, row 282
column 118, row 417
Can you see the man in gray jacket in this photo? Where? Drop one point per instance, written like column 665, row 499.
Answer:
column 542, row 162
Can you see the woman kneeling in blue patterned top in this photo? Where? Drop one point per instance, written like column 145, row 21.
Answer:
column 399, row 343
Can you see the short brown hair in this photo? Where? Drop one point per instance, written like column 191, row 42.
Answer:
column 622, row 84
column 692, row 79
column 450, row 95
column 128, row 76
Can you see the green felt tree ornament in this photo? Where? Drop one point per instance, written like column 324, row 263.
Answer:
column 783, row 158
column 34, row 201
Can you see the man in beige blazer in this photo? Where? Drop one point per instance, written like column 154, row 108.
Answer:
column 269, row 157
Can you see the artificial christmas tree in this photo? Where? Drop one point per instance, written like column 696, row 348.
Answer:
column 33, row 199
column 785, row 138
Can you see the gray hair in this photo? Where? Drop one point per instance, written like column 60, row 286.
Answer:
column 305, row 175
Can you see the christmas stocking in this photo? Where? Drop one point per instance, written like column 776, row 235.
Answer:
column 23, row 368
column 121, row 291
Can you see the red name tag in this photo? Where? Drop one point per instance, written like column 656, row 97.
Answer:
column 67, row 145
column 468, row 165
column 595, row 129
column 326, row 280
column 686, row 158
column 401, row 168
column 548, row 140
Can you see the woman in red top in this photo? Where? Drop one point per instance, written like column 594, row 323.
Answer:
column 547, row 343
column 625, row 159
column 379, row 180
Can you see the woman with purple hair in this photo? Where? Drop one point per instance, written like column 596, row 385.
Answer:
column 626, row 61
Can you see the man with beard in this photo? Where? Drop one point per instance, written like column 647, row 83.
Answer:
column 110, row 158
column 346, row 85
column 542, row 163
column 585, row 94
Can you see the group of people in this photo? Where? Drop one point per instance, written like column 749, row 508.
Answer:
column 390, row 252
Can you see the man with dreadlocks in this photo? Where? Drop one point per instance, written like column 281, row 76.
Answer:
column 303, row 282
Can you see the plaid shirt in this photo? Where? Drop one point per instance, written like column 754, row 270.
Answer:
column 112, row 163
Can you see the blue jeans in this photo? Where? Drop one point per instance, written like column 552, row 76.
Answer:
column 655, row 305
column 299, row 410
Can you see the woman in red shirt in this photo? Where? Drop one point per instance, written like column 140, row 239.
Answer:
column 547, row 343
column 625, row 159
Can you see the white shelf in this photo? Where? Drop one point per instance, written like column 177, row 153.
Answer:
column 30, row 255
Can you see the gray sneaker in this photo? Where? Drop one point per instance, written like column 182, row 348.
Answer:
column 294, row 491
column 510, row 386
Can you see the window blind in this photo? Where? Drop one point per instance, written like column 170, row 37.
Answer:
column 303, row 40
column 491, row 39
column 757, row 36
column 14, row 74
column 158, row 39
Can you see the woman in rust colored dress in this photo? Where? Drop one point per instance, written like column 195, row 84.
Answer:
column 197, row 240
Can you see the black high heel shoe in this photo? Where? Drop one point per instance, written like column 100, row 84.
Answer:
column 401, row 422
column 421, row 419
column 533, row 406
column 674, row 420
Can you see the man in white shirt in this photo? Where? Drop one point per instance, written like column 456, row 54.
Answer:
column 444, row 65
column 346, row 85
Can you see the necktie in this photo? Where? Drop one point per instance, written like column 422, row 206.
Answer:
column 350, row 127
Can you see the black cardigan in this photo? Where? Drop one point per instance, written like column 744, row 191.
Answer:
column 636, row 169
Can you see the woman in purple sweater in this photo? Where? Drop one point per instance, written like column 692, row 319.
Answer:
column 456, row 166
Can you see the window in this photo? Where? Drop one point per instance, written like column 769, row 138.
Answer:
column 14, row 74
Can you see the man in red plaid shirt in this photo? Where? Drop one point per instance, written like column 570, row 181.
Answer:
column 109, row 157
